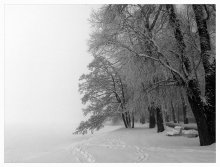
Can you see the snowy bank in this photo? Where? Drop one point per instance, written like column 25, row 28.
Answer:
column 117, row 144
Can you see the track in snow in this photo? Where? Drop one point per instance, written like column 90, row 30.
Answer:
column 81, row 154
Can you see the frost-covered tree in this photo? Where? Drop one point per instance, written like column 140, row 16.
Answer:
column 103, row 92
column 202, row 15
column 161, row 57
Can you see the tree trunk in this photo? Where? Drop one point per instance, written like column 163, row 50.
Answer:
column 209, row 79
column 199, row 113
column 129, row 119
column 167, row 117
column 160, row 127
column 164, row 117
column 185, row 120
column 175, row 23
column 173, row 112
column 178, row 115
column 142, row 119
column 124, row 120
column 132, row 120
column 127, row 116
column 209, row 67
column 152, row 121
column 124, row 117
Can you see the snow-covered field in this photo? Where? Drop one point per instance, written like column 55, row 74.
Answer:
column 111, row 144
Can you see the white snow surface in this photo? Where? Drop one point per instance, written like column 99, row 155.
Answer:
column 110, row 144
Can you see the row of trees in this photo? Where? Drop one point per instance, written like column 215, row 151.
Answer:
column 148, row 58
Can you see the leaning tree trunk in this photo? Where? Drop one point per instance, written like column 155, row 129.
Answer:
column 209, row 67
column 160, row 127
column 198, row 109
column 129, row 119
column 152, row 120
column 124, row 120
column 199, row 112
column 175, row 23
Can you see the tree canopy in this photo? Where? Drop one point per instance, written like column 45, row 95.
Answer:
column 151, row 53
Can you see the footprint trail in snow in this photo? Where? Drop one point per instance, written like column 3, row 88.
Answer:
column 81, row 154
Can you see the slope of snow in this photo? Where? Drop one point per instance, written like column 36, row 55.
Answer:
column 113, row 144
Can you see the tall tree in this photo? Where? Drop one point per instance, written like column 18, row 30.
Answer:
column 186, row 68
column 202, row 15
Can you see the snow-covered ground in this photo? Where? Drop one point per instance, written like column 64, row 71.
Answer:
column 111, row 144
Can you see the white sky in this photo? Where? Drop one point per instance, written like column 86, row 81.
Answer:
column 45, row 54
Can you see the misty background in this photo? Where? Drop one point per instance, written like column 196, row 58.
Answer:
column 45, row 54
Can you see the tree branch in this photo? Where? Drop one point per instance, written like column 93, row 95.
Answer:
column 155, row 18
column 155, row 85
column 155, row 59
column 168, row 84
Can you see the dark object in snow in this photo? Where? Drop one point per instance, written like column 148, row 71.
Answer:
column 186, row 121
column 152, row 121
column 132, row 120
column 142, row 120
column 167, row 117
column 160, row 127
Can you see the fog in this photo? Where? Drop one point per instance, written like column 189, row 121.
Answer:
column 45, row 54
